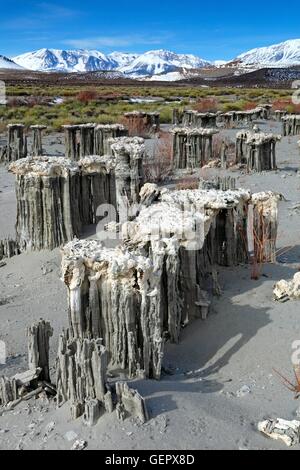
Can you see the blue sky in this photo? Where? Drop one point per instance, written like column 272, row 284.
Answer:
column 210, row 29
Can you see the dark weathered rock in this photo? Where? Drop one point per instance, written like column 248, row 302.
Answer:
column 87, row 139
column 224, row 155
column 8, row 390
column 97, row 187
column 266, row 111
column 31, row 383
column 81, row 376
column 37, row 144
column 16, row 147
column 131, row 403
column 291, row 124
column 72, row 144
column 79, row 141
column 8, row 248
column 38, row 337
column 92, row 411
column 177, row 116
column 195, row 119
column 219, row 183
column 108, row 402
column 279, row 114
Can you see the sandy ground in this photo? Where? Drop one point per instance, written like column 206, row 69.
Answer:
column 199, row 404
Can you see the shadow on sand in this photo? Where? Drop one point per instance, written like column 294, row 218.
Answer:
column 207, row 347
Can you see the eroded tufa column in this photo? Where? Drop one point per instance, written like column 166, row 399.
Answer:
column 37, row 144
column 291, row 124
column 47, row 191
column 17, row 142
column 105, row 132
column 192, row 148
column 128, row 154
column 279, row 114
column 87, row 139
column 98, row 186
column 72, row 144
column 257, row 150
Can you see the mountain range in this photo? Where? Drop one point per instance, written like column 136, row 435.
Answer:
column 152, row 64
column 133, row 65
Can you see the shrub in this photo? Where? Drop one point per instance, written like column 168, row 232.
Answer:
column 281, row 104
column 286, row 105
column 59, row 122
column 106, row 119
column 158, row 167
column 136, row 126
column 14, row 102
column 249, row 105
column 166, row 115
column 188, row 183
column 236, row 106
column 86, row 96
column 206, row 105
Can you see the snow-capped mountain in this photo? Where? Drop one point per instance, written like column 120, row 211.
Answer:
column 284, row 54
column 47, row 60
column 122, row 58
column 6, row 63
column 160, row 61
column 132, row 65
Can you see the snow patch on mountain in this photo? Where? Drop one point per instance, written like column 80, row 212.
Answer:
column 166, row 77
column 122, row 59
column 6, row 63
column 220, row 63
